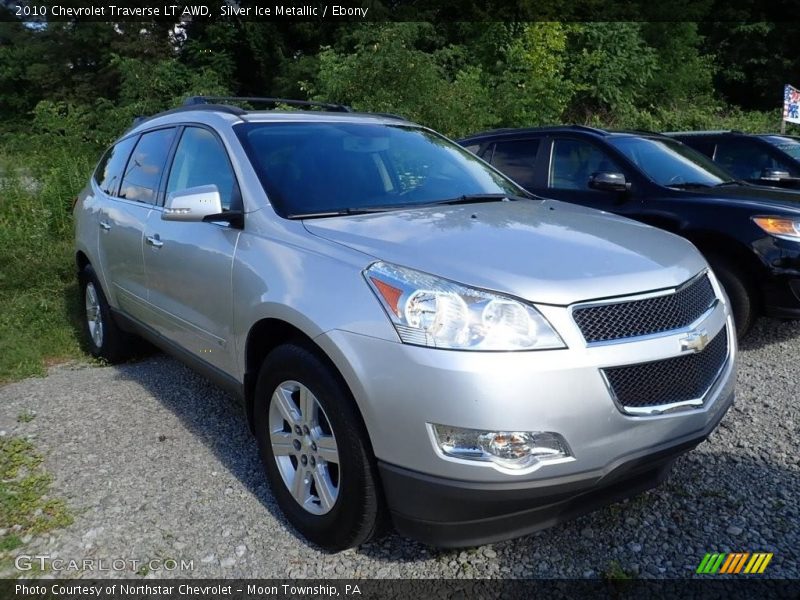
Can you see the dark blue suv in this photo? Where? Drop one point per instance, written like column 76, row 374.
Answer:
column 749, row 234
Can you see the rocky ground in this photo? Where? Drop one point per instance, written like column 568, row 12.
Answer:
column 156, row 463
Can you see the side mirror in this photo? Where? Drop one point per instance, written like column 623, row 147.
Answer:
column 609, row 182
column 192, row 204
column 774, row 175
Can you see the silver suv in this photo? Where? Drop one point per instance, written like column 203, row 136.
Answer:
column 413, row 336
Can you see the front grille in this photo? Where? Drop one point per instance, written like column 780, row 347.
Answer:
column 678, row 379
column 617, row 320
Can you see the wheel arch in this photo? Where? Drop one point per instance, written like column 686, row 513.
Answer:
column 267, row 334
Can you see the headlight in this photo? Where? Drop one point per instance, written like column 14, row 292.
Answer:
column 780, row 227
column 429, row 311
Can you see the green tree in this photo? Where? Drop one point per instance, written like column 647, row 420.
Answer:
column 611, row 67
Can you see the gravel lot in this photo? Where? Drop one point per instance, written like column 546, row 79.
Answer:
column 155, row 462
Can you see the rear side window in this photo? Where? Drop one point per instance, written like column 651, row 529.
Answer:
column 201, row 159
column 144, row 169
column 516, row 159
column 109, row 172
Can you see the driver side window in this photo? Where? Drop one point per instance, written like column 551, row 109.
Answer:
column 573, row 162
column 747, row 160
column 201, row 159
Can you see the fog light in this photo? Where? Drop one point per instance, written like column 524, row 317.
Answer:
column 510, row 449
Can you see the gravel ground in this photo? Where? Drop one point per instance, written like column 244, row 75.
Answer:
column 156, row 462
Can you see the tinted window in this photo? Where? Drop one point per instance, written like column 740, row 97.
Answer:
column 703, row 146
column 746, row 159
column 670, row 163
column 109, row 172
column 324, row 167
column 143, row 172
column 201, row 159
column 516, row 159
column 790, row 146
column 575, row 161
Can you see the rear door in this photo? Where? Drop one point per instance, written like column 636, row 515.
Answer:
column 189, row 264
column 517, row 158
column 128, row 202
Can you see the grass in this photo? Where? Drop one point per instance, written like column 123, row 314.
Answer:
column 25, row 417
column 40, row 320
column 615, row 572
column 26, row 507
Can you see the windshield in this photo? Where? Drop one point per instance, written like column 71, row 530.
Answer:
column 670, row 163
column 785, row 144
column 315, row 168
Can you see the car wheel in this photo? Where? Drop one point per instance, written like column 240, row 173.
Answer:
column 106, row 340
column 315, row 450
column 740, row 292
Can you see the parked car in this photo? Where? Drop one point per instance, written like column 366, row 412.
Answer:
column 412, row 336
column 764, row 159
column 749, row 234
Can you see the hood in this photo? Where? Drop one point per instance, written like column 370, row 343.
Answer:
column 758, row 197
column 543, row 251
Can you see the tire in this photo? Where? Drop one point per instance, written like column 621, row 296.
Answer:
column 105, row 339
column 342, row 505
column 740, row 292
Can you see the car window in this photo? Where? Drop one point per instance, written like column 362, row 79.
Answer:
column 473, row 148
column 573, row 163
column 516, row 158
column 310, row 168
column 146, row 164
column 790, row 146
column 670, row 163
column 201, row 159
column 109, row 171
column 704, row 146
column 747, row 160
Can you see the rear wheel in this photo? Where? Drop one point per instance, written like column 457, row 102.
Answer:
column 106, row 340
column 314, row 449
column 740, row 291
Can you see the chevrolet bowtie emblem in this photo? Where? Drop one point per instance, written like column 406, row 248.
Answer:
column 695, row 341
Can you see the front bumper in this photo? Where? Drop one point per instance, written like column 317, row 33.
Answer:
column 402, row 389
column 451, row 513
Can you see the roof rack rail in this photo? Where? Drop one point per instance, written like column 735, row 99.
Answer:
column 223, row 100
column 703, row 132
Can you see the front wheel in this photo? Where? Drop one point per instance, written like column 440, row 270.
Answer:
column 314, row 449
column 740, row 293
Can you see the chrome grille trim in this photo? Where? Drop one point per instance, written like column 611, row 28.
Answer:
column 658, row 313
column 699, row 372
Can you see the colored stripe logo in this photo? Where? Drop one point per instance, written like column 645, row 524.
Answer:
column 734, row 563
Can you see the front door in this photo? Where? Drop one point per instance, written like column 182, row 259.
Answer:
column 189, row 264
column 572, row 163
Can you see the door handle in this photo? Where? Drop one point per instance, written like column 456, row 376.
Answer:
column 104, row 225
column 154, row 241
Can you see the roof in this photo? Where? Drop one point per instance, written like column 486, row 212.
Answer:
column 596, row 131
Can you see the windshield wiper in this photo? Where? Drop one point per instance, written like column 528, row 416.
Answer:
column 478, row 198
column 688, row 185
column 731, row 182
column 343, row 212
column 365, row 210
